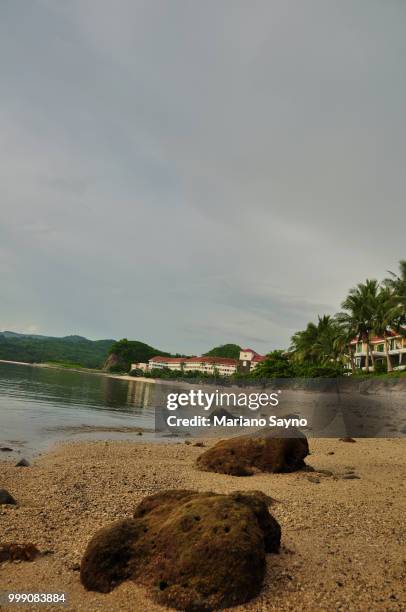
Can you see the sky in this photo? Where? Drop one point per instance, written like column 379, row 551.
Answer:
column 192, row 173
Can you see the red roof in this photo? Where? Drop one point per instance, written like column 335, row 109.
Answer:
column 375, row 339
column 207, row 359
column 254, row 353
column 213, row 360
column 256, row 356
column 160, row 359
column 389, row 334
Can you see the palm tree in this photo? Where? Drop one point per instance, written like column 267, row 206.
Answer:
column 315, row 344
column 343, row 343
column 302, row 343
column 360, row 307
column 397, row 282
column 385, row 319
column 397, row 285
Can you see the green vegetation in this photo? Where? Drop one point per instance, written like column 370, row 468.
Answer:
column 125, row 352
column 68, row 365
column 231, row 351
column 318, row 342
column 276, row 365
column 190, row 375
column 72, row 351
column 370, row 309
column 75, row 351
column 279, row 364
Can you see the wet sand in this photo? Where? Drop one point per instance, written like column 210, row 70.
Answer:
column 343, row 538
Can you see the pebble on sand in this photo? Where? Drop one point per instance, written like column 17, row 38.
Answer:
column 6, row 498
column 23, row 463
column 18, row 552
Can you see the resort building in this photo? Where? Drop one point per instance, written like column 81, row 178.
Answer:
column 158, row 362
column 396, row 347
column 249, row 359
column 223, row 366
column 211, row 365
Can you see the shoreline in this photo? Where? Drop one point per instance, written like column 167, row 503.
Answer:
column 52, row 366
column 343, row 536
column 376, row 380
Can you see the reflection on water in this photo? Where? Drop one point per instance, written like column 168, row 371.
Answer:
column 39, row 406
column 35, row 401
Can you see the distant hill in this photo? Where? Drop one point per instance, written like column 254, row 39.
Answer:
column 74, row 350
column 232, row 351
column 10, row 334
column 125, row 352
column 110, row 355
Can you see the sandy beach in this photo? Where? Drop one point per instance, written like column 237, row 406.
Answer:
column 343, row 538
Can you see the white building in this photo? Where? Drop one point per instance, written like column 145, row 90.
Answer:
column 224, row 366
column 396, row 344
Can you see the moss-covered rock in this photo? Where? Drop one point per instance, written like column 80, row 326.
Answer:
column 265, row 451
column 18, row 552
column 193, row 551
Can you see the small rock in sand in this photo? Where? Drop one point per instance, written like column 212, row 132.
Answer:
column 23, row 463
column 325, row 472
column 6, row 498
column 74, row 567
column 18, row 552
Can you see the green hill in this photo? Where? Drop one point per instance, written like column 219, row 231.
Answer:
column 232, row 351
column 125, row 352
column 73, row 350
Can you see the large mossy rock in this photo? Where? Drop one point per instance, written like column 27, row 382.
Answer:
column 265, row 451
column 193, row 551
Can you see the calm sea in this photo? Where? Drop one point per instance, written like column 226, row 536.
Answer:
column 40, row 406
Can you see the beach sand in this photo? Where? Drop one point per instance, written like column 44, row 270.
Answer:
column 343, row 539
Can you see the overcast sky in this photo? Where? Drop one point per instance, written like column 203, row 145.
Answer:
column 191, row 173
